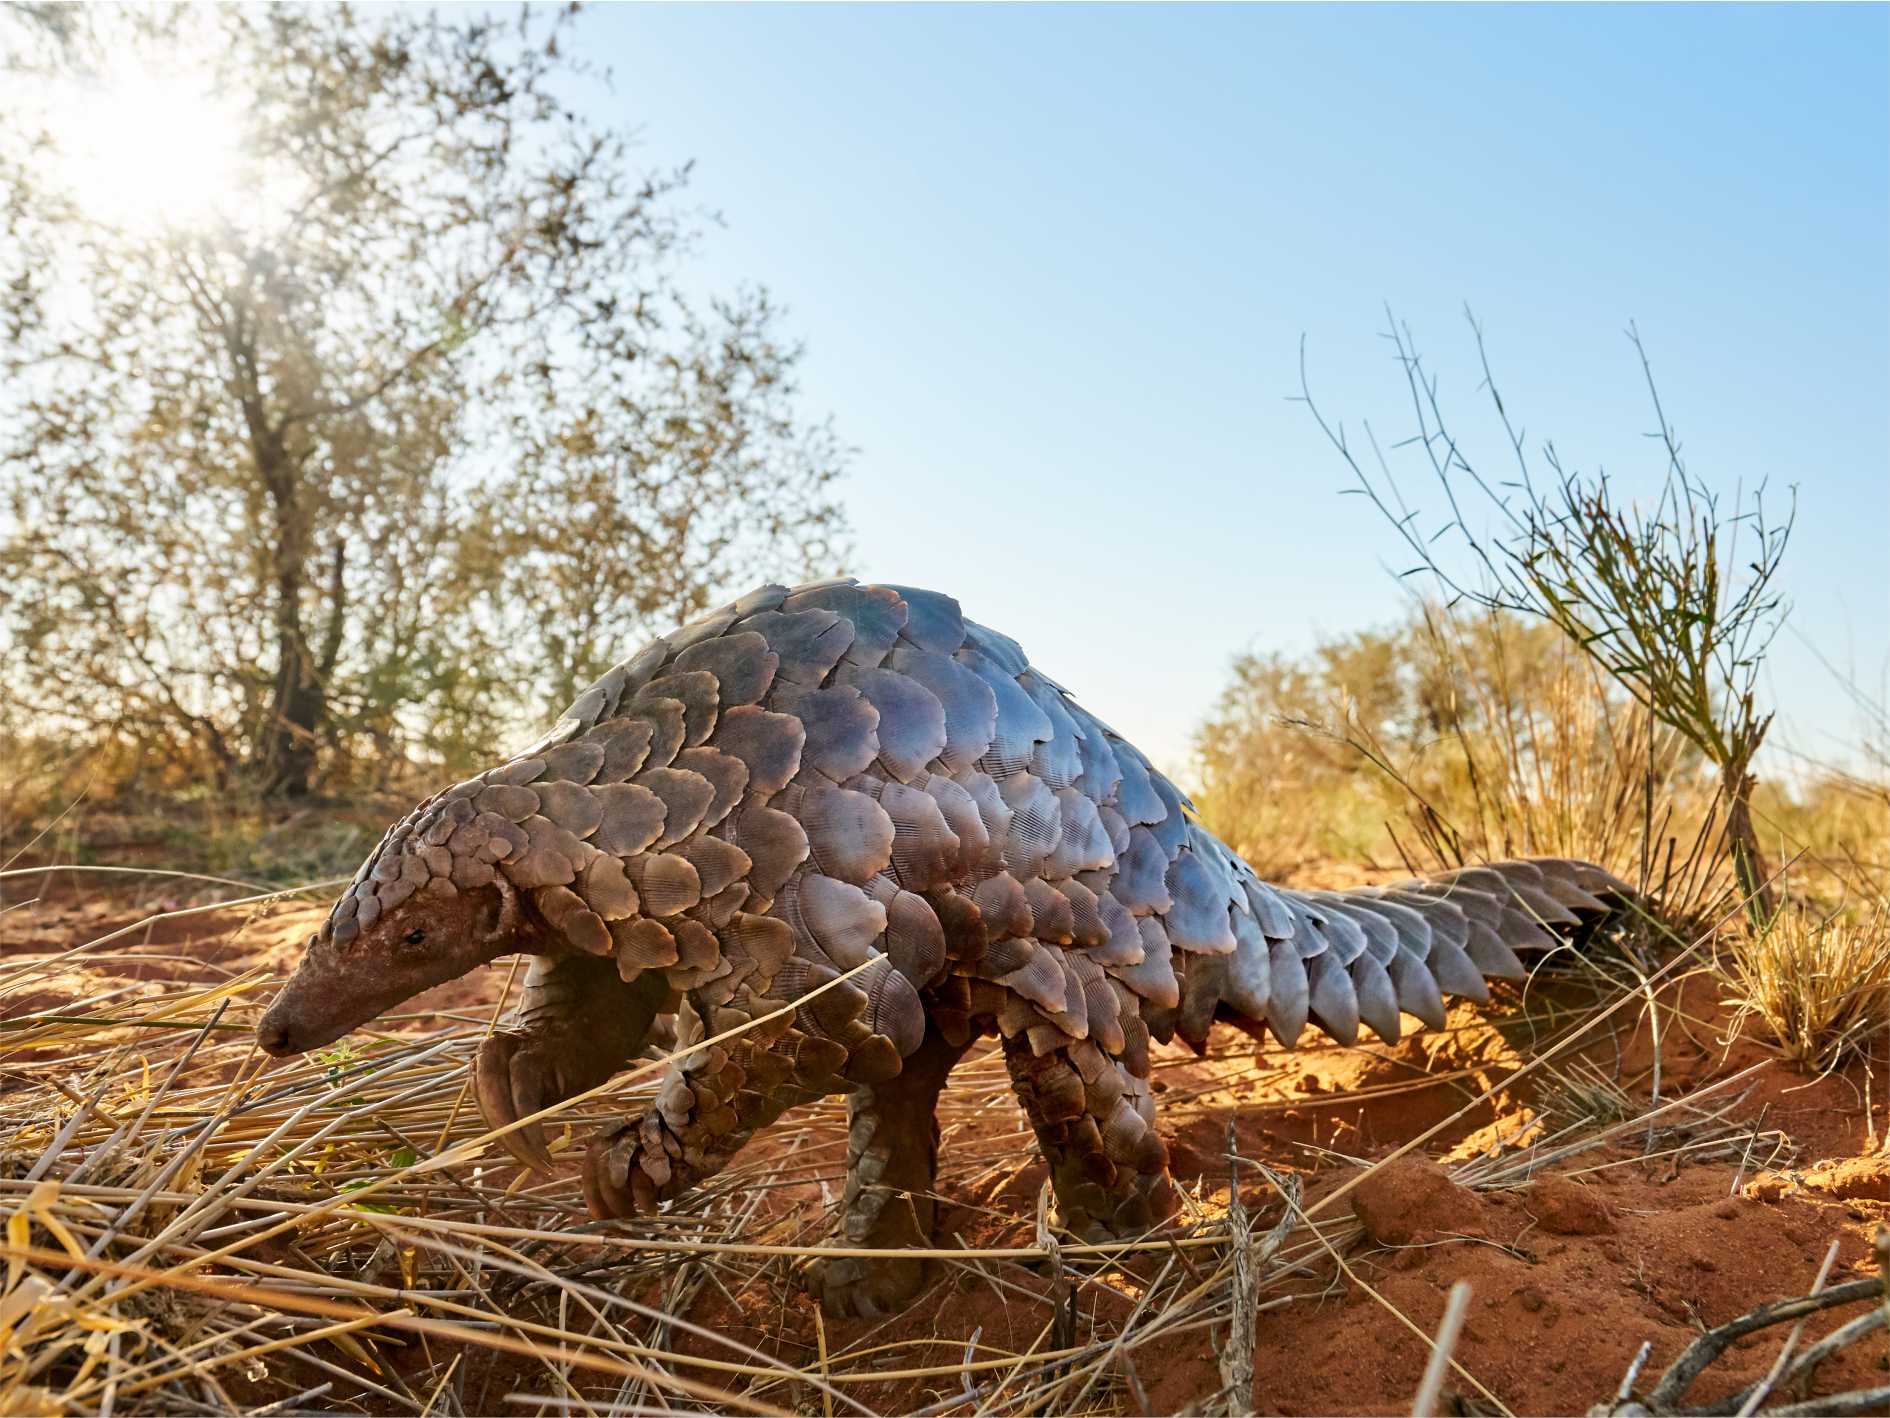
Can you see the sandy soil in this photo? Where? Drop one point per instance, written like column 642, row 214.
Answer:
column 1569, row 1275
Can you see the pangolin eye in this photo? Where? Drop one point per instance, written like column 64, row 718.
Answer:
column 415, row 936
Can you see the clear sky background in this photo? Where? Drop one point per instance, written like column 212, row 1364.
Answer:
column 1053, row 266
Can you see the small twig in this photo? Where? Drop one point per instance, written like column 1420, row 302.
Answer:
column 1625, row 1389
column 826, row 1374
column 305, row 1399
column 1745, row 1158
column 1134, row 1380
column 1425, row 1404
column 1880, row 1245
column 1237, row 1359
column 1862, row 1401
column 1806, row 1364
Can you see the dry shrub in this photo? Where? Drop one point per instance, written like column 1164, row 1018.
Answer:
column 1820, row 985
column 1461, row 735
column 1537, row 755
column 1673, row 595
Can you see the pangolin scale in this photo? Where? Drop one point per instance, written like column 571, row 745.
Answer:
column 813, row 780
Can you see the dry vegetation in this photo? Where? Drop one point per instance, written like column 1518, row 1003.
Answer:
column 1457, row 735
column 192, row 1228
column 1473, row 734
column 1820, row 985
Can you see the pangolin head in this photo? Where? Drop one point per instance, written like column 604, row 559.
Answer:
column 422, row 910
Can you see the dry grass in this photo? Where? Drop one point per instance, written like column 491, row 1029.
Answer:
column 1820, row 985
column 191, row 1227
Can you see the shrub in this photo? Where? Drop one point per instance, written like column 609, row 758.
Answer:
column 1458, row 736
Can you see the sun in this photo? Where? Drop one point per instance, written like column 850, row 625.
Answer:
column 149, row 152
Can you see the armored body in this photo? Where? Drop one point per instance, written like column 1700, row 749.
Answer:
column 847, row 778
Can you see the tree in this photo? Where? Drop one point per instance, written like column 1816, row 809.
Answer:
column 395, row 432
column 1675, row 598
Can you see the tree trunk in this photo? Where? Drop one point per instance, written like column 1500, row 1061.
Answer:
column 298, row 709
column 1755, row 882
column 285, row 752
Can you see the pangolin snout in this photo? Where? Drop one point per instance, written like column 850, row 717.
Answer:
column 275, row 1036
column 276, row 1032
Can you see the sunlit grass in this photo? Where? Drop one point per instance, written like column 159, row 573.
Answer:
column 1820, row 986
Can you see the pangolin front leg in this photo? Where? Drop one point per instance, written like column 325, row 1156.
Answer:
column 576, row 1024
column 892, row 1166
column 1095, row 1120
column 707, row 1107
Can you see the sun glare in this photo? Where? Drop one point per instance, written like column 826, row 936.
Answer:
column 150, row 152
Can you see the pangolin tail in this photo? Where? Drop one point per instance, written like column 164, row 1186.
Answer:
column 1339, row 959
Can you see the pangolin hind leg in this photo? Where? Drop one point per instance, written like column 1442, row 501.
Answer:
column 1095, row 1120
column 892, row 1165
column 709, row 1105
column 576, row 1024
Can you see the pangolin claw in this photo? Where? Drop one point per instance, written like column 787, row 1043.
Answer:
column 616, row 1182
column 606, row 1171
column 510, row 1088
column 860, row 1287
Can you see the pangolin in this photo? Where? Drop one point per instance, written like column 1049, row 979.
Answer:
column 838, row 776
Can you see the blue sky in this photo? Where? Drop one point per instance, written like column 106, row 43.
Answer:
column 1053, row 266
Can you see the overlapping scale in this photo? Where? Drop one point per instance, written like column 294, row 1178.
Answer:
column 933, row 620
column 1020, row 726
column 968, row 703
column 1101, row 775
column 840, row 728
column 876, row 615
column 1141, row 882
column 911, row 724
column 1036, row 824
column 768, row 744
column 808, row 643
column 836, row 917
column 685, row 797
column 740, row 662
column 925, row 851
column 849, row 835
column 726, row 775
column 696, row 690
column 1058, row 759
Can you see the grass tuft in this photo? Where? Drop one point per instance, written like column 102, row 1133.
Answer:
column 1820, row 985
